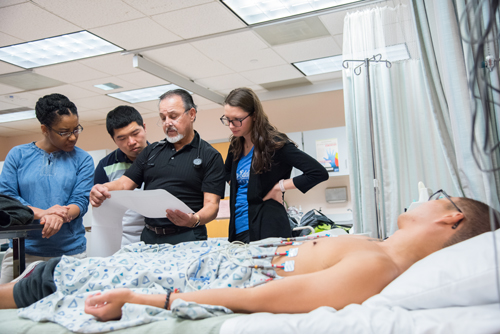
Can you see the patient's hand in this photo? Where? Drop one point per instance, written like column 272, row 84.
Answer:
column 107, row 306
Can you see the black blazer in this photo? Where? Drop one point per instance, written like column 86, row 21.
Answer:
column 269, row 218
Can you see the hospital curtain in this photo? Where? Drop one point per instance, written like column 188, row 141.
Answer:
column 407, row 140
column 444, row 30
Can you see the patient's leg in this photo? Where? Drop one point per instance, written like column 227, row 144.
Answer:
column 7, row 296
column 30, row 289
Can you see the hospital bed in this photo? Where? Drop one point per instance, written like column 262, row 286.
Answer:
column 451, row 291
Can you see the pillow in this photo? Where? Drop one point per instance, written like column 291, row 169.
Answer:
column 459, row 275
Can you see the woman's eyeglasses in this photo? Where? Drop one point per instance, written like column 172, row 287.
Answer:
column 68, row 134
column 237, row 122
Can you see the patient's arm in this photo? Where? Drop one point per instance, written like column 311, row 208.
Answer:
column 352, row 280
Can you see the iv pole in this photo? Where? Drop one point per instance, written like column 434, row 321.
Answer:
column 357, row 70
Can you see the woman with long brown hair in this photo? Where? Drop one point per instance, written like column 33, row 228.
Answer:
column 258, row 167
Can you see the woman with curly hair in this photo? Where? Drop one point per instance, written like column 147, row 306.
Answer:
column 53, row 177
column 258, row 167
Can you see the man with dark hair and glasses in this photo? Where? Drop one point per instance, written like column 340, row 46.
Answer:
column 184, row 165
column 128, row 130
column 355, row 268
column 53, row 177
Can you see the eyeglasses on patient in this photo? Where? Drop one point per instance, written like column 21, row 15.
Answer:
column 442, row 194
column 237, row 122
column 67, row 134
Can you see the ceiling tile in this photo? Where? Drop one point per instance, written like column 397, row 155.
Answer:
column 292, row 31
column 147, row 107
column 89, row 85
column 199, row 20
column 228, row 81
column 91, row 13
column 6, row 40
column 230, row 45
column 187, row 61
column 255, row 88
column 42, row 24
column 253, row 60
column 31, row 125
column 97, row 102
column 334, row 22
column 21, row 99
column 153, row 7
column 339, row 39
column 112, row 64
column 270, row 74
column 4, row 104
column 142, row 79
column 5, row 3
column 6, row 89
column 310, row 49
column 29, row 80
column 135, row 34
column 8, row 68
column 71, row 72
column 200, row 101
column 70, row 91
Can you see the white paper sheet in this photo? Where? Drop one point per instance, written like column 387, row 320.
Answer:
column 149, row 203
column 107, row 226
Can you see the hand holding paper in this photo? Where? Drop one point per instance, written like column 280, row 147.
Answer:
column 107, row 218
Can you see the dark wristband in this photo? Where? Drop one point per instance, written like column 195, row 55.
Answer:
column 167, row 300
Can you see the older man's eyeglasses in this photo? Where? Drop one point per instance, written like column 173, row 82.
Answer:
column 68, row 134
column 237, row 122
column 442, row 194
column 174, row 118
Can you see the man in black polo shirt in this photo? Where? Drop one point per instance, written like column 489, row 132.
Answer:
column 174, row 164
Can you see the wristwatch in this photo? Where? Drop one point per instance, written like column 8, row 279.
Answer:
column 197, row 221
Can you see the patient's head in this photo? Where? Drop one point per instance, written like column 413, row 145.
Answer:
column 476, row 220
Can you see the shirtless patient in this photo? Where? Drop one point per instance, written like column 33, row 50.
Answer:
column 354, row 268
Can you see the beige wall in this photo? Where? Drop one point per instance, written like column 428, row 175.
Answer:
column 302, row 113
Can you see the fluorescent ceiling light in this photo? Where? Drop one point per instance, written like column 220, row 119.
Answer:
column 256, row 11
column 17, row 116
column 56, row 50
column 143, row 94
column 320, row 66
column 391, row 53
column 107, row 86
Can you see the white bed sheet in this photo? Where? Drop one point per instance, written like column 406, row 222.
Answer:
column 361, row 319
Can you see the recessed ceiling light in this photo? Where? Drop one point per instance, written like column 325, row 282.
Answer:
column 256, row 11
column 143, row 94
column 107, row 86
column 320, row 66
column 391, row 53
column 56, row 50
column 17, row 116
